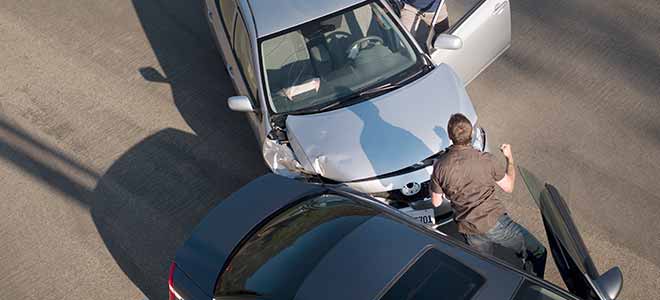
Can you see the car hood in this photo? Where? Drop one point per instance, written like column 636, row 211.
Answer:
column 384, row 134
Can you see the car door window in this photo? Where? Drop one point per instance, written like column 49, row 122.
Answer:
column 484, row 27
column 459, row 10
column 570, row 253
column 243, row 51
column 436, row 276
column 275, row 261
column 228, row 13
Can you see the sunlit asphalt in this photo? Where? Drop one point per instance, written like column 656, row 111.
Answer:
column 115, row 139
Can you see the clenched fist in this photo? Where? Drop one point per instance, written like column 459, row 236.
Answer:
column 506, row 150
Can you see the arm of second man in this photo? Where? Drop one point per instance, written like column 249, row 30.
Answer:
column 508, row 181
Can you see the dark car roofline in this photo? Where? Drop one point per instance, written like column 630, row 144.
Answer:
column 204, row 256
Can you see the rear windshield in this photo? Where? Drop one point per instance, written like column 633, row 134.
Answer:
column 436, row 276
column 275, row 261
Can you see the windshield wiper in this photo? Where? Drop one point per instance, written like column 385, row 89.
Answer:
column 318, row 108
column 395, row 84
column 367, row 92
column 380, row 88
column 330, row 105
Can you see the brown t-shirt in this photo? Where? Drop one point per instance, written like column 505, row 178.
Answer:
column 468, row 177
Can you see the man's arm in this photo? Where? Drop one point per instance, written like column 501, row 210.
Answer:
column 508, row 181
column 436, row 187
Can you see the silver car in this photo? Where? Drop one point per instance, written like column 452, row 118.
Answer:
column 339, row 92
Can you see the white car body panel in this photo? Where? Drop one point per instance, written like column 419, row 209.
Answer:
column 384, row 134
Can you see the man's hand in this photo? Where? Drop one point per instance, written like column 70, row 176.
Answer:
column 437, row 199
column 506, row 150
column 507, row 183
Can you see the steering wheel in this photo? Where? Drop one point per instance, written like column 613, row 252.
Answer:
column 363, row 43
column 337, row 35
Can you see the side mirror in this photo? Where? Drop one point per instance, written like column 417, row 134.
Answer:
column 611, row 282
column 240, row 103
column 448, row 41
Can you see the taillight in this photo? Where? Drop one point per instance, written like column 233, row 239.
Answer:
column 170, row 284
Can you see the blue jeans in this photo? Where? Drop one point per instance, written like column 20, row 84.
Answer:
column 512, row 235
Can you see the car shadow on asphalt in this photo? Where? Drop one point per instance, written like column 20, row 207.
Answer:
column 147, row 203
column 150, row 199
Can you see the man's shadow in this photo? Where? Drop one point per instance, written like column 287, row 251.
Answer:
column 147, row 203
column 383, row 143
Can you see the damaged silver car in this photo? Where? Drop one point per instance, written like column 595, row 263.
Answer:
column 339, row 92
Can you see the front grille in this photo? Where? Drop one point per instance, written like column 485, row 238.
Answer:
column 421, row 165
column 396, row 195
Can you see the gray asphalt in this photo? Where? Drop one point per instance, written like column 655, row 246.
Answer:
column 115, row 139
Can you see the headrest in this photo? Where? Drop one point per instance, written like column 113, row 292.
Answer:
column 336, row 21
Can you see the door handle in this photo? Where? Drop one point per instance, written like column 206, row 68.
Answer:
column 499, row 7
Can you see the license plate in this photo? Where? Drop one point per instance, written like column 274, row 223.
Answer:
column 424, row 216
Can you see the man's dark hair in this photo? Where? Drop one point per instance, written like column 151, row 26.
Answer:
column 459, row 129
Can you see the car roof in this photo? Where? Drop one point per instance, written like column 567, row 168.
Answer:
column 362, row 263
column 274, row 16
column 369, row 260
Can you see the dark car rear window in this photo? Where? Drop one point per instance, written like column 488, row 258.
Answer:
column 275, row 261
column 436, row 276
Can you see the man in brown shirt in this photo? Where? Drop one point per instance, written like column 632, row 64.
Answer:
column 468, row 177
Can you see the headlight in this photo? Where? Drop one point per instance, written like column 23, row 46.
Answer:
column 281, row 159
column 479, row 139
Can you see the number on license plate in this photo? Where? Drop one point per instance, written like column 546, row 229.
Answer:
column 425, row 216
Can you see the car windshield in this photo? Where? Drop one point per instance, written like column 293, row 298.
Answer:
column 333, row 59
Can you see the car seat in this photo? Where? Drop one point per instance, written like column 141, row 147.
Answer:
column 288, row 62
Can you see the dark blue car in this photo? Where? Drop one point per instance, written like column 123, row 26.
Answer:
column 278, row 238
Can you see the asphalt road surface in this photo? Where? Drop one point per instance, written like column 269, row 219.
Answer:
column 115, row 138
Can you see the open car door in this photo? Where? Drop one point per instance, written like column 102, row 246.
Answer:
column 568, row 250
column 479, row 32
